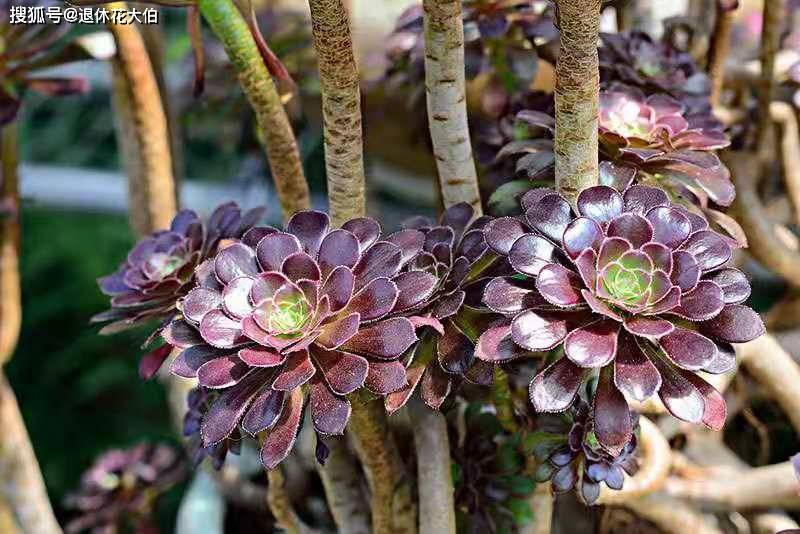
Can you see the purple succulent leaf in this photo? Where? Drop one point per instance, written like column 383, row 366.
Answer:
column 411, row 243
column 281, row 437
column 641, row 199
column 180, row 334
column 670, row 301
column 688, row 349
column 734, row 324
column 670, row 226
column 266, row 285
column 336, row 333
column 375, row 300
column 559, row 286
column 187, row 362
column 539, row 331
column 434, row 386
column 634, row 373
column 329, row 412
column 617, row 176
column 301, row 266
column 153, row 360
column 734, row 284
column 598, row 306
column 506, row 296
column 593, row 345
column 222, row 372
column 263, row 412
column 310, row 227
column 501, row 234
column 532, row 197
column 448, row 305
column 455, row 351
column 199, row 301
column 705, row 301
column 234, row 261
column 631, row 227
column 414, row 287
column 236, row 297
column 386, row 339
column 686, row 271
column 252, row 237
column 550, row 216
column 385, row 377
column 611, row 250
column 586, row 263
column 223, row 415
column 366, row 230
column 344, row 372
column 420, row 321
column 338, row 287
column 600, row 203
column 496, row 345
column 339, row 247
column 276, row 247
column 554, row 389
column 612, row 418
column 581, row 234
column 650, row 327
column 397, row 399
column 261, row 357
column 297, row 370
column 219, row 330
column 708, row 248
column 681, row 397
column 530, row 253
column 715, row 411
column 383, row 259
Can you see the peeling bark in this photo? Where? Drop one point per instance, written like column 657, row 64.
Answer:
column 447, row 105
column 434, row 478
column 342, row 482
column 341, row 109
column 143, row 131
column 577, row 96
column 393, row 509
column 259, row 88
column 22, row 482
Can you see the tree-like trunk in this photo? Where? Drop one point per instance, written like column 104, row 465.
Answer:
column 770, row 42
column 144, row 132
column 720, row 46
column 281, row 145
column 577, row 96
column 341, row 109
column 434, row 478
column 341, row 478
column 447, row 105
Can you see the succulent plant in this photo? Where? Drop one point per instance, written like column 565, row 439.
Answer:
column 198, row 401
column 632, row 286
column 455, row 255
column 27, row 49
column 635, row 59
column 309, row 310
column 160, row 269
column 122, row 487
column 492, row 485
column 502, row 38
column 570, row 452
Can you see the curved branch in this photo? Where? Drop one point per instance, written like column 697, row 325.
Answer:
column 434, row 478
column 577, row 96
column 655, row 457
column 341, row 109
column 341, row 478
column 281, row 145
column 776, row 371
column 280, row 505
column 22, row 483
column 671, row 515
column 447, row 104
column 143, row 130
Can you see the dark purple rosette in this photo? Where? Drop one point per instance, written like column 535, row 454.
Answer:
column 122, row 487
column 454, row 265
column 632, row 286
column 654, row 66
column 571, row 455
column 160, row 269
column 309, row 312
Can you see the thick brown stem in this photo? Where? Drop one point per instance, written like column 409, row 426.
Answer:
column 143, row 131
column 10, row 294
column 784, row 115
column 393, row 510
column 720, row 46
column 22, row 483
column 770, row 41
column 257, row 84
column 671, row 515
column 279, row 503
column 341, row 478
column 341, row 109
column 434, row 479
column 776, row 371
column 447, row 105
column 577, row 95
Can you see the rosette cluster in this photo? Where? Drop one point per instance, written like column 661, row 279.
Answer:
column 312, row 312
column 632, row 286
column 570, row 454
column 455, row 258
column 122, row 486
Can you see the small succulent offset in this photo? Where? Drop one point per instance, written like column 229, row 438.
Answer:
column 160, row 269
column 312, row 311
column 569, row 452
column 122, row 487
column 491, row 482
column 455, row 255
column 632, row 286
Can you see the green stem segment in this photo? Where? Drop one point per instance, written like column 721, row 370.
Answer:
column 577, row 96
column 503, row 401
column 281, row 145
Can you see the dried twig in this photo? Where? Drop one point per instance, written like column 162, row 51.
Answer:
column 341, row 109
column 434, row 479
column 577, row 96
column 446, row 100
